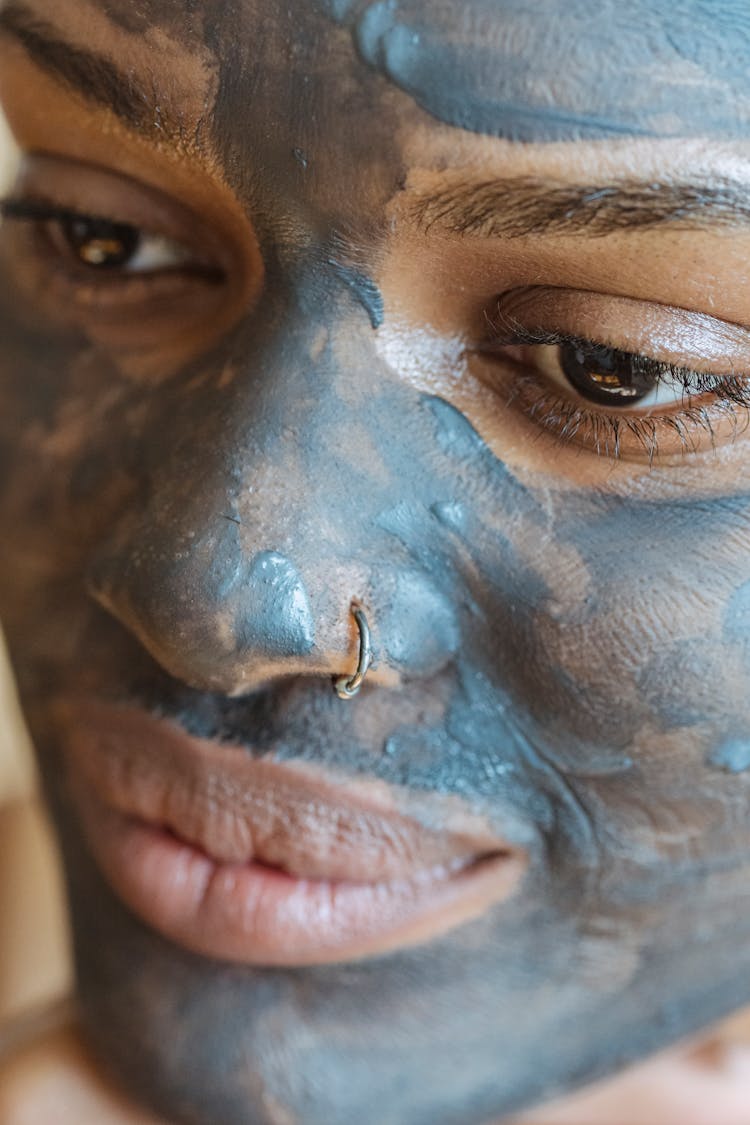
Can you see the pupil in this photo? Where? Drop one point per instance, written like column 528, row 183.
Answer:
column 101, row 244
column 606, row 375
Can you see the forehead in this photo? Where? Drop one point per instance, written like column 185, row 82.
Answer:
column 521, row 70
column 535, row 70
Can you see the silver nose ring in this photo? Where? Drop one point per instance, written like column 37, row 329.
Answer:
column 346, row 687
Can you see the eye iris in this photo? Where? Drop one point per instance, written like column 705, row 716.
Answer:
column 605, row 375
column 101, row 244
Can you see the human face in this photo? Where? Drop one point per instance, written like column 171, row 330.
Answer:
column 341, row 346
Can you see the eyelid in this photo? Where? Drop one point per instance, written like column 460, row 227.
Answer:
column 148, row 323
column 47, row 215
column 714, row 411
column 72, row 189
column 691, row 383
column 673, row 335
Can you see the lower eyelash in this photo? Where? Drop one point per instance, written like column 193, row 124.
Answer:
column 569, row 421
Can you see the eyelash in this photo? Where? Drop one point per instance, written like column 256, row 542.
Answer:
column 569, row 420
column 37, row 212
column 28, row 210
column 112, row 278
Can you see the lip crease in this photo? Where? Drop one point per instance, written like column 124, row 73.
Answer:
column 269, row 862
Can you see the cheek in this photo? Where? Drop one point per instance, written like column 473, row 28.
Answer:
column 70, row 439
column 608, row 638
column 652, row 642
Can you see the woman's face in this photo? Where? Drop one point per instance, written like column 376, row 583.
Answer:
column 440, row 309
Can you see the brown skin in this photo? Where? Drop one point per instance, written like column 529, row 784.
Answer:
column 585, row 612
column 57, row 1076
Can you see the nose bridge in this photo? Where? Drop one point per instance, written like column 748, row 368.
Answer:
column 261, row 524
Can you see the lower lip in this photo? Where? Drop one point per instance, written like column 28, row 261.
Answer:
column 253, row 914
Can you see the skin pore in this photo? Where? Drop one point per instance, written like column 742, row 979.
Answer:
column 344, row 384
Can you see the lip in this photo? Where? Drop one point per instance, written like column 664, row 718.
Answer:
column 270, row 863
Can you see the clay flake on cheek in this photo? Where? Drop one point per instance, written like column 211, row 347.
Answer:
column 476, row 65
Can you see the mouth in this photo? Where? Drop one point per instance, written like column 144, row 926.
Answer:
column 271, row 863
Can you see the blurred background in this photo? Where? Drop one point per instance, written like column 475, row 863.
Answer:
column 34, row 963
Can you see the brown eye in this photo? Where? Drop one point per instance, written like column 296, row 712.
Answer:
column 99, row 243
column 606, row 375
column 105, row 245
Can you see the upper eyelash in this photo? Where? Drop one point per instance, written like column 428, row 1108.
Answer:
column 35, row 210
column 730, row 387
column 568, row 417
column 41, row 211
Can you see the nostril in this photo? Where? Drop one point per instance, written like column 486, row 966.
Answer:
column 211, row 618
column 220, row 619
column 276, row 617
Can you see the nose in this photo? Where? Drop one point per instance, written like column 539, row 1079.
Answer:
column 268, row 511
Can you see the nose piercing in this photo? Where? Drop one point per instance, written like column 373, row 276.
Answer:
column 346, row 687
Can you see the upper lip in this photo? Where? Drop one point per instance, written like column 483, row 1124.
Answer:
column 239, row 809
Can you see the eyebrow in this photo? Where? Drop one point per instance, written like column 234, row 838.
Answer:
column 526, row 206
column 509, row 208
column 94, row 77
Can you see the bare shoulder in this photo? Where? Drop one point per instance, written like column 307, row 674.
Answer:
column 708, row 1084
column 54, row 1079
